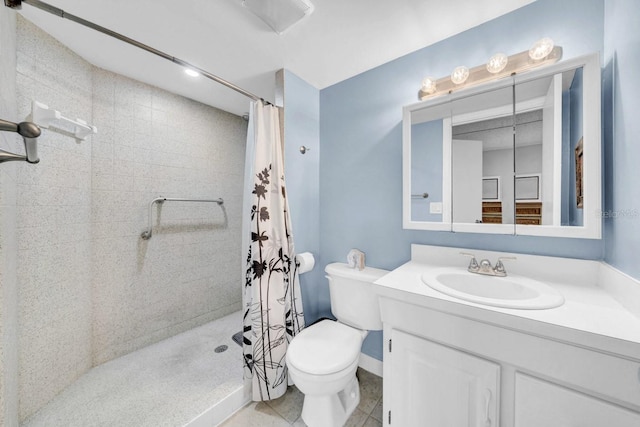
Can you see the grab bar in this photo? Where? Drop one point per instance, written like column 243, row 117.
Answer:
column 146, row 235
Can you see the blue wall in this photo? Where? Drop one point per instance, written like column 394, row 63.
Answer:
column 621, row 133
column 301, row 124
column 426, row 169
column 360, row 130
column 355, row 183
column 361, row 137
column 576, row 134
column 571, row 135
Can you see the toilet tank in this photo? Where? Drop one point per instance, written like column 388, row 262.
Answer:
column 354, row 300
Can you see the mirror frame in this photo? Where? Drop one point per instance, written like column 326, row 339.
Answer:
column 592, row 166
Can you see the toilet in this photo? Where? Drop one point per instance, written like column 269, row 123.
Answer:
column 323, row 358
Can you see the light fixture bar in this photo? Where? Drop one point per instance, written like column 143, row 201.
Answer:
column 516, row 64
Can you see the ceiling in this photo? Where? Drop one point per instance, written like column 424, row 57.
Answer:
column 339, row 40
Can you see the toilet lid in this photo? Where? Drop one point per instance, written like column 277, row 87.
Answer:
column 325, row 348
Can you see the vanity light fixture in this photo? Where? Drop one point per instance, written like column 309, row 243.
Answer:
column 543, row 52
column 460, row 75
column 497, row 63
column 428, row 85
column 541, row 49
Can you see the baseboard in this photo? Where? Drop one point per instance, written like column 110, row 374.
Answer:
column 222, row 410
column 370, row 364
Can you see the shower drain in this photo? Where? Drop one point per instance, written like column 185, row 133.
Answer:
column 220, row 348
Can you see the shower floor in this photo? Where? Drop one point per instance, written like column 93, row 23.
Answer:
column 169, row 383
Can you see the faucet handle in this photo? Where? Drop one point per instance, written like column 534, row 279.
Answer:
column 473, row 264
column 499, row 267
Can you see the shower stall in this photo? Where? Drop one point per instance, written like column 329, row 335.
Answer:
column 99, row 325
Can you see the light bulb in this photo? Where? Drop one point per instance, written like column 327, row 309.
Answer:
column 428, row 85
column 460, row 75
column 192, row 73
column 541, row 49
column 497, row 63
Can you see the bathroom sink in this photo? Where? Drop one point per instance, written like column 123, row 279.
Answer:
column 509, row 292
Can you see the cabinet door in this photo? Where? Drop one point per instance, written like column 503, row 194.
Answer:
column 434, row 385
column 540, row 403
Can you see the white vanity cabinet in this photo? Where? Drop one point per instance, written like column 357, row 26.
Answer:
column 434, row 385
column 541, row 403
column 444, row 369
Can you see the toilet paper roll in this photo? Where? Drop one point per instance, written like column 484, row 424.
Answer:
column 306, row 262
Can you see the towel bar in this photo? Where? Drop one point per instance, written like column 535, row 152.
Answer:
column 146, row 235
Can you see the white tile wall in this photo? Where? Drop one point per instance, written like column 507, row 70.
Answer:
column 8, row 171
column 53, row 225
column 89, row 288
column 158, row 144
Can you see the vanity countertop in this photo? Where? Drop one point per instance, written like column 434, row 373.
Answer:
column 592, row 316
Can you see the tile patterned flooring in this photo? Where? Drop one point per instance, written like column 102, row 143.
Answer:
column 285, row 411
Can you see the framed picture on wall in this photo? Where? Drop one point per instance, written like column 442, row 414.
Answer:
column 528, row 187
column 579, row 186
column 491, row 188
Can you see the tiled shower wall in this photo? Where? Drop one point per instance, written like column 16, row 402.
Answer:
column 89, row 288
column 53, row 225
column 152, row 144
column 8, row 171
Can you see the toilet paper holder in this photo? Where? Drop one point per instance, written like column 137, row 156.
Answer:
column 305, row 262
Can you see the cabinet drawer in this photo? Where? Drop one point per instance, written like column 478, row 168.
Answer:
column 527, row 221
column 528, row 211
column 541, row 403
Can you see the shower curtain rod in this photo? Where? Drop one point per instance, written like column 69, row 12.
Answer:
column 17, row 4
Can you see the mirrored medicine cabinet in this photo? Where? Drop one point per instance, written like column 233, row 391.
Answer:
column 521, row 155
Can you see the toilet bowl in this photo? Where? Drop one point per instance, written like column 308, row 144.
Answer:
column 323, row 358
column 322, row 362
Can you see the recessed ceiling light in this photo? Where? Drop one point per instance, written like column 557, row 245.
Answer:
column 192, row 73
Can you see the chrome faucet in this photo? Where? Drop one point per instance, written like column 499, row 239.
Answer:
column 485, row 267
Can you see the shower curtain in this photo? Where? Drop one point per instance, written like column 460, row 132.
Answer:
column 271, row 299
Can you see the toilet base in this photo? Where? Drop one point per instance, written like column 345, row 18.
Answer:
column 331, row 410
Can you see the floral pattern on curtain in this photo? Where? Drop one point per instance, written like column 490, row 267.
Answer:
column 271, row 299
